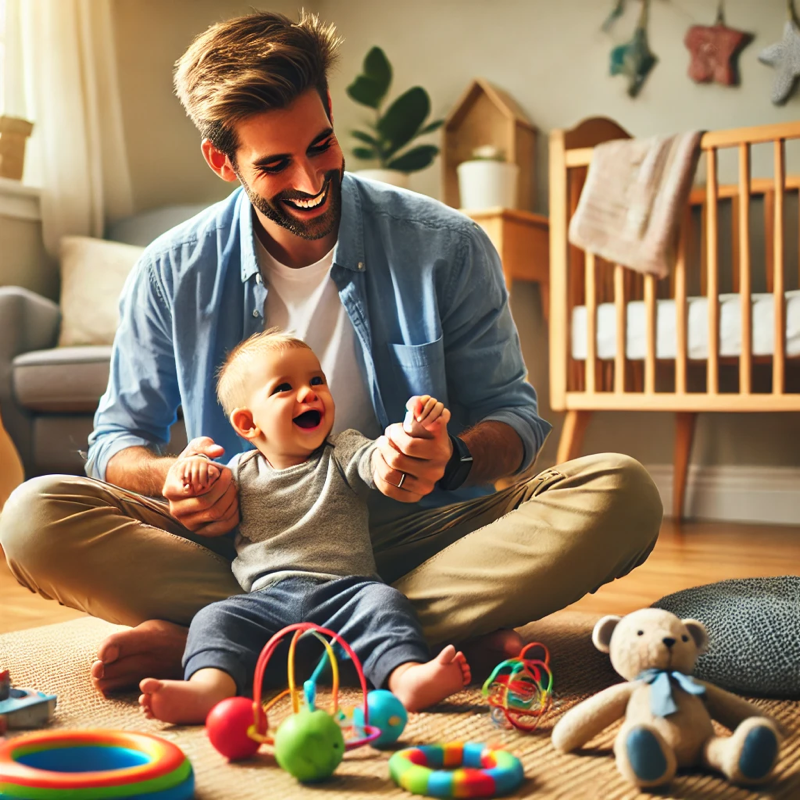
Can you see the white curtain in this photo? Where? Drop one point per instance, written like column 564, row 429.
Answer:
column 69, row 59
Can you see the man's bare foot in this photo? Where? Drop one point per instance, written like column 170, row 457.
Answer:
column 153, row 648
column 486, row 652
column 185, row 702
column 418, row 686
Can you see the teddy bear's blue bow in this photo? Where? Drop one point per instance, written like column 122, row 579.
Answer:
column 662, row 703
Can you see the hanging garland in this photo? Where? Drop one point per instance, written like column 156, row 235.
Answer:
column 784, row 56
column 715, row 50
column 633, row 59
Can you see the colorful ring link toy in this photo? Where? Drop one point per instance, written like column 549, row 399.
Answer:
column 456, row 769
column 520, row 690
column 93, row 765
column 309, row 744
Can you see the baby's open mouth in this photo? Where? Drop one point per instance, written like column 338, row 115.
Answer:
column 308, row 419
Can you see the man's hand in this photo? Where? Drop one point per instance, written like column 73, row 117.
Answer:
column 215, row 512
column 406, row 467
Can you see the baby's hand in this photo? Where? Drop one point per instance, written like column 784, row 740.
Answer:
column 198, row 474
column 424, row 416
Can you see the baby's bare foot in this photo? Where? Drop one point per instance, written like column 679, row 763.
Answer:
column 180, row 702
column 418, row 686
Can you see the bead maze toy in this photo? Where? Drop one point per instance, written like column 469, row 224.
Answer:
column 23, row 708
column 456, row 769
column 310, row 743
column 96, row 764
column 520, row 690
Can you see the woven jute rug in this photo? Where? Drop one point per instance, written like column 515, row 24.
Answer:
column 56, row 659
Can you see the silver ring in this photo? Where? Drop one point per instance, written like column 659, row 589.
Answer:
column 402, row 479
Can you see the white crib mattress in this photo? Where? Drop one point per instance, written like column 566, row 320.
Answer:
column 730, row 328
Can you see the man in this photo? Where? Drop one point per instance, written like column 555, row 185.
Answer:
column 399, row 295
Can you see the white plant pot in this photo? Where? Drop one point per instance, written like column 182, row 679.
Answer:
column 391, row 176
column 487, row 184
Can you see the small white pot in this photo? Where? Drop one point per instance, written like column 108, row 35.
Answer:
column 391, row 176
column 487, row 184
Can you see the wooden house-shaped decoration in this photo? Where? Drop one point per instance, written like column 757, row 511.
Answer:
column 486, row 115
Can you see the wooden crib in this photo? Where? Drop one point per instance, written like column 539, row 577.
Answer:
column 621, row 341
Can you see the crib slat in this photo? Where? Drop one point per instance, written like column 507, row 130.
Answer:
column 650, row 353
column 591, row 323
column 620, row 302
column 779, row 362
column 746, row 357
column 769, row 240
column 680, row 303
column 712, row 265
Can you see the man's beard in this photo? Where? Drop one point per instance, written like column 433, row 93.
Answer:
column 317, row 228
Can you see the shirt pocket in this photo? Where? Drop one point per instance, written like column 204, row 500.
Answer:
column 420, row 369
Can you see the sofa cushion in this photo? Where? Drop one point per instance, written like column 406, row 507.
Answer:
column 65, row 380
column 93, row 272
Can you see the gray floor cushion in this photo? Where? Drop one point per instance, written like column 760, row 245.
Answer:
column 754, row 633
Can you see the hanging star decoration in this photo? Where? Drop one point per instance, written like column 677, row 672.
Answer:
column 715, row 50
column 634, row 60
column 784, row 56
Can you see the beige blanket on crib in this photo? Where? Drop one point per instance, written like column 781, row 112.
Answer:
column 630, row 208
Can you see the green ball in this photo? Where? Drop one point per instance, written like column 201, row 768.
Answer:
column 309, row 745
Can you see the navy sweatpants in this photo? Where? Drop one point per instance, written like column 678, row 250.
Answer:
column 377, row 621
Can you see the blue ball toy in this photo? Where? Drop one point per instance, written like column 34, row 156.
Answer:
column 386, row 712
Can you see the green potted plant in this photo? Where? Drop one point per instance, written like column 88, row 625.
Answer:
column 393, row 129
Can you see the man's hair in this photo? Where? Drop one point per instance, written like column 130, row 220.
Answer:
column 250, row 64
column 232, row 378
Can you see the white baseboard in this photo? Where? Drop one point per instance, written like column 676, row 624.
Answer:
column 735, row 494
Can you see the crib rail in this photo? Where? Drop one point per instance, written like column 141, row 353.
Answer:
column 579, row 278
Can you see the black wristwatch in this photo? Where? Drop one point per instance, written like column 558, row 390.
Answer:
column 458, row 467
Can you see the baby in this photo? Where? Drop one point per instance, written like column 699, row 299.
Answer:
column 303, row 550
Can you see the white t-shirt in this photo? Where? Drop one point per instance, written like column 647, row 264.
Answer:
column 306, row 302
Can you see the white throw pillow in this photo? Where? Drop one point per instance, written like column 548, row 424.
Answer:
column 93, row 272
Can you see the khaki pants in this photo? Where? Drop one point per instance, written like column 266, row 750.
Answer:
column 496, row 562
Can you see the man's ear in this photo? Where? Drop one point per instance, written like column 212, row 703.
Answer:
column 601, row 635
column 218, row 161
column 243, row 424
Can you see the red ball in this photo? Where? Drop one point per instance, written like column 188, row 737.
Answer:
column 227, row 724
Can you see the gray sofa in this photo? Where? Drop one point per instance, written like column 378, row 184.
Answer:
column 48, row 394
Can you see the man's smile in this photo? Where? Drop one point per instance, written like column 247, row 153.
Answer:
column 310, row 203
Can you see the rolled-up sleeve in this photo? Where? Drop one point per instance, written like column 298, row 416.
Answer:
column 142, row 398
column 485, row 368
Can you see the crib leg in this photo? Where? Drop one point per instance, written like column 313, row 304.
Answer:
column 569, row 445
column 684, row 434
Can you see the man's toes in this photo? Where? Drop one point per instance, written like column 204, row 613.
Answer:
column 108, row 651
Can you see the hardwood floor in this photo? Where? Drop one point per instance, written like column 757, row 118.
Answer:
column 686, row 555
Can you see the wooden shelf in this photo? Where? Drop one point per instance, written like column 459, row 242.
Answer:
column 522, row 239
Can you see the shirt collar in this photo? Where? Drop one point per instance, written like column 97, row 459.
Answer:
column 349, row 249
column 247, row 238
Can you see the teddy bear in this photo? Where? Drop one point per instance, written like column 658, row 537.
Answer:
column 667, row 714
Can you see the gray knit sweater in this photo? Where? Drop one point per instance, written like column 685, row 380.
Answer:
column 307, row 520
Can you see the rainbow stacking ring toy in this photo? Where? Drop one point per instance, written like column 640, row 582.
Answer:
column 93, row 765
column 456, row 769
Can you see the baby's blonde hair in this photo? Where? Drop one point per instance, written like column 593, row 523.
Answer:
column 232, row 383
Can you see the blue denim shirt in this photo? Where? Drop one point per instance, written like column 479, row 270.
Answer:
column 421, row 283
